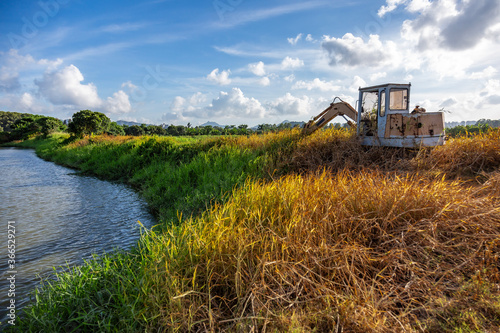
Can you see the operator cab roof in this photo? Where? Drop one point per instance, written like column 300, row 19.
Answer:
column 395, row 85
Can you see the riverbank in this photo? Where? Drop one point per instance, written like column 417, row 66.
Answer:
column 285, row 233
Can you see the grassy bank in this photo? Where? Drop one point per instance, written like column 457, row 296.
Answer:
column 285, row 233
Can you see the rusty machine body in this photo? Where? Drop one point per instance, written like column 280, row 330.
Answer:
column 383, row 118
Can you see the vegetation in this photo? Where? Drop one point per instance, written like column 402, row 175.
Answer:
column 280, row 232
column 86, row 122
column 20, row 126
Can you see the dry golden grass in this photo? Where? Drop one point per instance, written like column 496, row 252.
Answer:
column 101, row 139
column 338, row 149
column 357, row 239
column 351, row 252
column 466, row 156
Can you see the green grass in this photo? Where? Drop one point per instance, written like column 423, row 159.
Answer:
column 285, row 233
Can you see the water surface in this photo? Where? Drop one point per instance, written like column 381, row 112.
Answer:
column 60, row 219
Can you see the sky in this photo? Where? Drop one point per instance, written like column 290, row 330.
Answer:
column 245, row 62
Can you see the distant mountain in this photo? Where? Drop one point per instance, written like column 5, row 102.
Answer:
column 128, row 123
column 211, row 123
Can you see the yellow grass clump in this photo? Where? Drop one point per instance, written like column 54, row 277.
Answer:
column 466, row 156
column 344, row 252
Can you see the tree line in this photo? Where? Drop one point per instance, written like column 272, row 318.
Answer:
column 20, row 126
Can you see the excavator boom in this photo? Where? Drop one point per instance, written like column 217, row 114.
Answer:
column 335, row 109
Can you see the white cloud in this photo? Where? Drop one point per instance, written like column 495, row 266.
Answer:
column 295, row 40
column 449, row 102
column 119, row 103
column 26, row 101
column 12, row 64
column 290, row 78
column 353, row 51
column 451, row 24
column 376, row 76
column 418, row 5
column 391, row 5
column 235, row 104
column 178, row 104
column 317, row 84
column 129, row 86
column 197, row 99
column 265, row 81
column 290, row 105
column 310, row 38
column 488, row 72
column 291, row 63
column 64, row 87
column 356, row 83
column 408, row 77
column 257, row 68
column 411, row 5
column 221, row 78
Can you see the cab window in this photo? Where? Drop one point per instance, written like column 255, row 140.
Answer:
column 399, row 99
column 382, row 103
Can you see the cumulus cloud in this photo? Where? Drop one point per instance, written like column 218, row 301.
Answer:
column 235, row 104
column 353, row 51
column 192, row 104
column 12, row 63
column 295, row 40
column 290, row 105
column 197, row 99
column 356, row 83
column 178, row 104
column 291, row 63
column 257, row 68
column 65, row 87
column 221, row 78
column 451, row 24
column 265, row 81
column 317, row 84
column 391, row 5
column 117, row 104
column 488, row 72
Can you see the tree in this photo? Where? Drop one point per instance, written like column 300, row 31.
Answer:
column 25, row 127
column 86, row 122
column 49, row 125
column 115, row 129
column 155, row 130
column 135, row 130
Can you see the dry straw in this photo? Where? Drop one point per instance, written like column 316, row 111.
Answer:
column 358, row 251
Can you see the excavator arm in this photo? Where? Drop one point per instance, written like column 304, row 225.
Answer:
column 335, row 109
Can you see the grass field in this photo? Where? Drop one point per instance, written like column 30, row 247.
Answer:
column 284, row 233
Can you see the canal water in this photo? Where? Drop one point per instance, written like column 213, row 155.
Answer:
column 60, row 218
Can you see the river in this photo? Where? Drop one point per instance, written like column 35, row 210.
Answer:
column 60, row 218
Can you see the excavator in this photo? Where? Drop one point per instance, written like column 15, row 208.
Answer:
column 383, row 118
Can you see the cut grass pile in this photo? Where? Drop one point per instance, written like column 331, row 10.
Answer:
column 310, row 234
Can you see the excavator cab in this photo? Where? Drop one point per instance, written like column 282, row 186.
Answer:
column 383, row 118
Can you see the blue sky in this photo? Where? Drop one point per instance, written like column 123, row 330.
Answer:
column 245, row 62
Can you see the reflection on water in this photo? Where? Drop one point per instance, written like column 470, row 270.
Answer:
column 60, row 218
